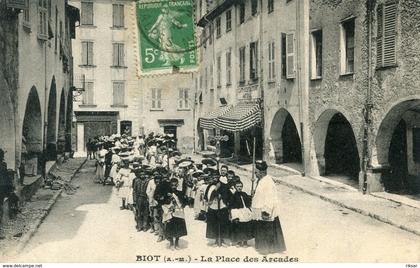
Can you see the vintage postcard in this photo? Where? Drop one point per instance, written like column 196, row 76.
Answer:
column 209, row 131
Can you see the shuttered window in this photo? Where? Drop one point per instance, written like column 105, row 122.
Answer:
column 218, row 27
column 242, row 64
column 386, row 36
column 87, row 53
column 219, row 71
column 118, row 55
column 156, row 98
column 316, row 54
column 43, row 18
column 26, row 13
column 290, row 55
column 253, row 61
column 87, row 13
column 88, row 94
column 228, row 20
column 183, row 98
column 241, row 13
column 271, row 61
column 228, row 67
column 118, row 15
column 118, row 93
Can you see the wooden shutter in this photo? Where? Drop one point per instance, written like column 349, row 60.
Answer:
column 121, row 55
column 180, row 98
column 84, row 53
column 186, row 104
column 153, row 98
column 159, row 98
column 390, row 21
column 290, row 55
column 119, row 93
column 386, row 36
column 121, row 16
column 114, row 15
column 90, row 53
column 115, row 54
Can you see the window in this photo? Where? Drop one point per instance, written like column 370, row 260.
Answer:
column 347, row 46
column 283, row 55
column 206, row 79
column 26, row 13
column 254, row 7
column 271, row 61
column 241, row 13
column 210, row 35
column 156, row 98
column 219, row 71
column 117, row 15
column 228, row 67
column 211, row 77
column 87, row 53
column 56, row 30
column 386, row 40
column 242, row 65
column 270, row 6
column 253, row 61
column 228, row 20
column 316, row 54
column 212, row 97
column 43, row 19
column 290, row 55
column 118, row 93
column 218, row 27
column 88, row 94
column 183, row 98
column 118, row 55
column 87, row 13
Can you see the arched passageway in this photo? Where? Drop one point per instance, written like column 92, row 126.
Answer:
column 285, row 139
column 32, row 135
column 336, row 148
column 7, row 127
column 51, row 150
column 398, row 148
column 61, row 139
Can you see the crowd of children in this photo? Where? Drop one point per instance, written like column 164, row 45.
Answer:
column 156, row 182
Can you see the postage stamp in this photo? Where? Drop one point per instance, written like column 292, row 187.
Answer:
column 166, row 34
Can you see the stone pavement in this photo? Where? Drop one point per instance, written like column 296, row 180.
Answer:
column 19, row 230
column 402, row 213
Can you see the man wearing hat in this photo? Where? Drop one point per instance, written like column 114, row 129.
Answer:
column 268, row 233
column 140, row 199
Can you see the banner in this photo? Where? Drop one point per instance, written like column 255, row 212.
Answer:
column 166, row 34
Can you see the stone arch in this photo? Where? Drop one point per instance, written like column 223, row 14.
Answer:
column 61, row 139
column 7, row 126
column 397, row 146
column 285, row 138
column 32, row 134
column 69, row 120
column 51, row 142
column 335, row 146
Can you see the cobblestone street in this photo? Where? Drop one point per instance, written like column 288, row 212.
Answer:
column 89, row 227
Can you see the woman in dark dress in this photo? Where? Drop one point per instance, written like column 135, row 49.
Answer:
column 241, row 228
column 174, row 218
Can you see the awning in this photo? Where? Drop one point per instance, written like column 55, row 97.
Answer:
column 208, row 121
column 241, row 117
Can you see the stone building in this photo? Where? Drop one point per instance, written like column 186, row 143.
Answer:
column 116, row 97
column 263, row 72
column 364, row 114
column 338, row 81
column 37, row 100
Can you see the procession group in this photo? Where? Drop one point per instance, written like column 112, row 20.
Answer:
column 157, row 182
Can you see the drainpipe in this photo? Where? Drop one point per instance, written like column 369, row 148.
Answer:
column 261, row 102
column 368, row 104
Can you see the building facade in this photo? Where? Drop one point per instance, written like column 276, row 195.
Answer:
column 116, row 97
column 37, row 103
column 338, row 83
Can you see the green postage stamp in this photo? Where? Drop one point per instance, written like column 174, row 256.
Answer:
column 166, row 34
